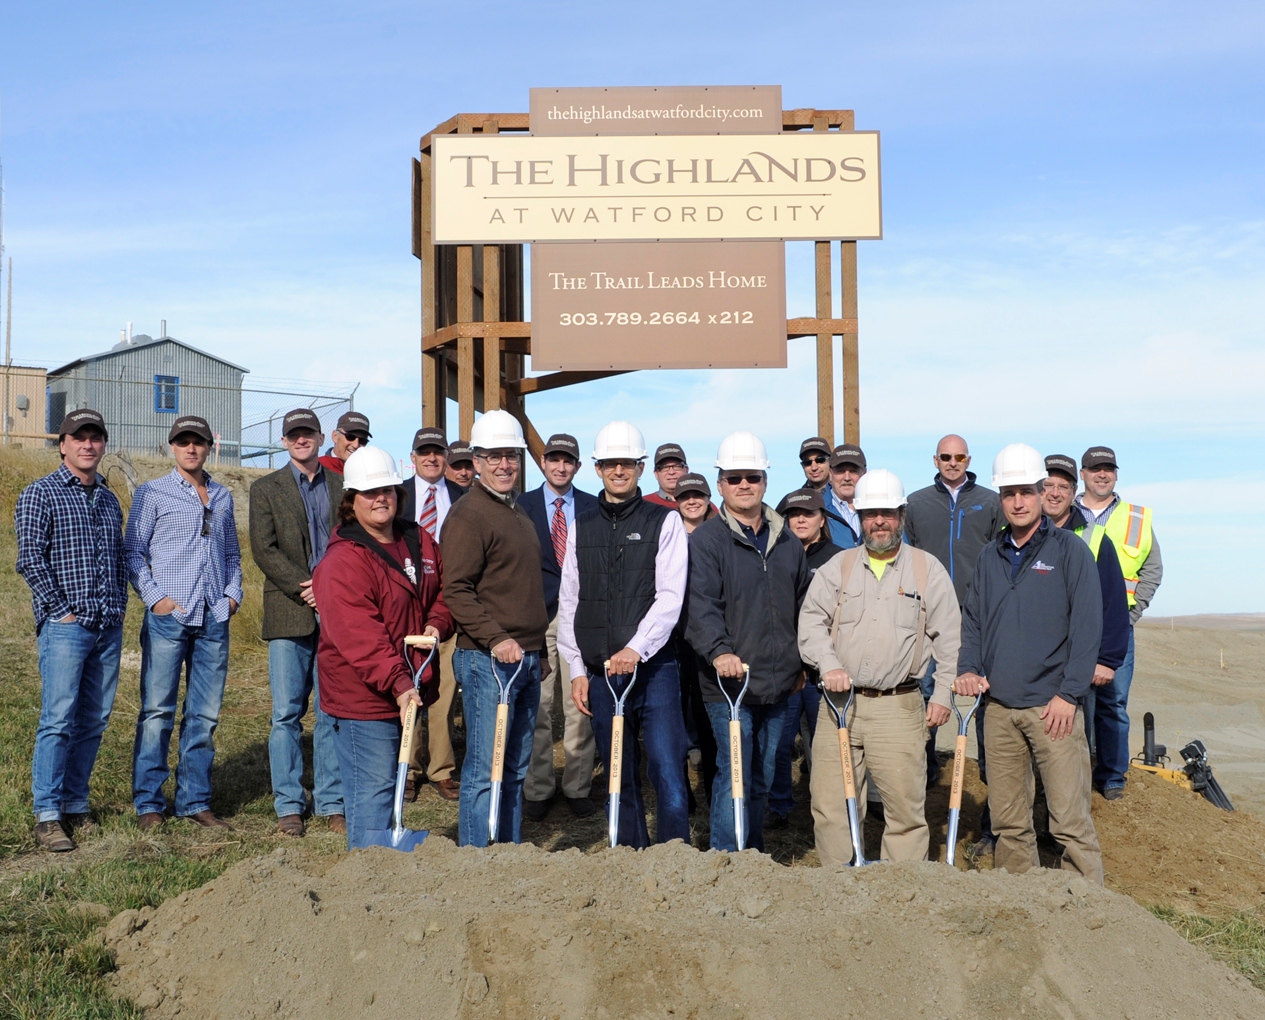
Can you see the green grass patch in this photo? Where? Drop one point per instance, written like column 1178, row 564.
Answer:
column 1238, row 940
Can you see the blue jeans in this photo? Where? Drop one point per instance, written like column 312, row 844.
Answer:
column 79, row 673
column 803, row 703
column 292, row 677
column 653, row 712
column 1107, row 718
column 368, row 751
column 761, row 733
column 167, row 647
column 479, row 695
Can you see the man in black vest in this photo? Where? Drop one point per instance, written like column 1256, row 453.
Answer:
column 623, row 583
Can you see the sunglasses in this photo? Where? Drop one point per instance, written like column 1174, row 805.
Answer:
column 207, row 514
column 755, row 479
column 961, row 458
column 813, row 460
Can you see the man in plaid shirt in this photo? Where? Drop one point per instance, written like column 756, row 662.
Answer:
column 185, row 564
column 69, row 528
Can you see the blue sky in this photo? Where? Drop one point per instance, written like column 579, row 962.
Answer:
column 1074, row 214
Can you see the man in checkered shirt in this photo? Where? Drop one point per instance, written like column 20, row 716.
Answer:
column 69, row 528
column 185, row 563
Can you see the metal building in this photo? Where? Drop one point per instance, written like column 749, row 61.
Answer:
column 141, row 386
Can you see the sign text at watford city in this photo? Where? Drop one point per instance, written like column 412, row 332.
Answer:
column 501, row 189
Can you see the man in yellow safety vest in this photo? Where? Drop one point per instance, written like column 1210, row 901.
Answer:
column 1128, row 527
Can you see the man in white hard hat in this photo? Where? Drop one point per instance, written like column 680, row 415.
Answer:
column 1031, row 629
column 748, row 576
column 492, row 585
column 553, row 509
column 872, row 620
column 623, row 584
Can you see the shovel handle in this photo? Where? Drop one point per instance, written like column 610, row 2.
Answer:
column 845, row 756
column 617, row 754
column 959, row 767
column 498, row 742
column 735, row 759
column 406, row 740
column 420, row 641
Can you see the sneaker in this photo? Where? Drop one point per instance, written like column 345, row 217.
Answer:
column 536, row 810
column 52, row 837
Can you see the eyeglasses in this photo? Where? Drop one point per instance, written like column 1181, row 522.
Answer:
column 961, row 458
column 813, row 460
column 207, row 514
column 495, row 459
column 755, row 479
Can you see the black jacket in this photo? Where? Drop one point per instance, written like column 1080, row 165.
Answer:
column 954, row 534
column 746, row 604
column 533, row 502
column 1038, row 635
column 1115, row 600
column 819, row 554
column 408, row 505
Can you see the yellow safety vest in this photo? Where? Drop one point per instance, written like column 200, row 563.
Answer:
column 1093, row 536
column 1129, row 528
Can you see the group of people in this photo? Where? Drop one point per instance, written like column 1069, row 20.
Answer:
column 666, row 605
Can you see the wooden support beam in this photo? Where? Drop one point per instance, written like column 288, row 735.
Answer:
column 554, row 380
column 465, row 344
column 814, row 327
column 509, row 332
column 825, row 348
column 851, row 352
column 474, row 122
column 535, row 445
column 491, row 312
column 434, row 376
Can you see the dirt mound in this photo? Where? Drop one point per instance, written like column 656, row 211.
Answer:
column 515, row 932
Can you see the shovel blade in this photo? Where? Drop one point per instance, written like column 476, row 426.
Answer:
column 405, row 840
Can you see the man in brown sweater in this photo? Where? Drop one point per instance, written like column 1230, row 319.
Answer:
column 492, row 585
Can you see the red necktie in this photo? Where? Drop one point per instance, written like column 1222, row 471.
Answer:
column 430, row 512
column 559, row 531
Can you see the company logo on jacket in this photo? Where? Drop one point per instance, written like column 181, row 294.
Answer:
column 1042, row 568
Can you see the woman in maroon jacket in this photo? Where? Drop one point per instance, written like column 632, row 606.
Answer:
column 377, row 583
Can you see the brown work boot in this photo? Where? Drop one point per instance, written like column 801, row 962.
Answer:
column 52, row 837
column 337, row 824
column 149, row 820
column 449, row 789
column 291, row 825
column 410, row 789
column 208, row 819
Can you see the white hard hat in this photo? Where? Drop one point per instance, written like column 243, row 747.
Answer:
column 370, row 467
column 879, row 490
column 497, row 430
column 619, row 441
column 740, row 451
column 1018, row 464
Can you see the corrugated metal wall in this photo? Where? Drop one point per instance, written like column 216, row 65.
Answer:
column 121, row 385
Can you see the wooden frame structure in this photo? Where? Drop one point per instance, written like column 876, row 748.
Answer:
column 474, row 338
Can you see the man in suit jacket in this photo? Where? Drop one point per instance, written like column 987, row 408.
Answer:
column 552, row 509
column 427, row 499
column 292, row 512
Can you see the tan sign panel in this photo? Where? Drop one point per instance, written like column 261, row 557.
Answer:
column 674, row 110
column 501, row 189
column 602, row 306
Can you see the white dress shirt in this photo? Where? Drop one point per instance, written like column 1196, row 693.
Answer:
column 442, row 502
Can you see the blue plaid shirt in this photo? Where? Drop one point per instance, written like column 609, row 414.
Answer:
column 1099, row 517
column 169, row 557
column 70, row 550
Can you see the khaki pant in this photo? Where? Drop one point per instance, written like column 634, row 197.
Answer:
column 888, row 737
column 578, row 747
column 1013, row 737
column 438, row 720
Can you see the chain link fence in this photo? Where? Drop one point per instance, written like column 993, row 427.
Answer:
column 265, row 403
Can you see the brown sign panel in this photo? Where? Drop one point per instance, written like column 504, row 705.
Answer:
column 675, row 110
column 648, row 305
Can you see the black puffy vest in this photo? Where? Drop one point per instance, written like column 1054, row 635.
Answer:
column 615, row 547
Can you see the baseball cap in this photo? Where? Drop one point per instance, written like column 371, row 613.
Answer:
column 560, row 442
column 1061, row 463
column 430, row 436
column 1098, row 456
column 459, row 451
column 848, row 453
column 692, row 483
column 192, row 423
column 84, row 417
column 801, row 499
column 669, row 451
column 354, row 421
column 817, row 444
column 300, row 418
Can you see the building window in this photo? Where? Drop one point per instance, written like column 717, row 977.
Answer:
column 167, row 394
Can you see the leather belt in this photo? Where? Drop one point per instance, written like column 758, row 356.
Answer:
column 908, row 687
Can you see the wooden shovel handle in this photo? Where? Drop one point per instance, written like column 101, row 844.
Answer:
column 845, row 755
column 959, row 767
column 420, row 641
column 406, row 741
column 498, row 742
column 735, row 759
column 617, row 755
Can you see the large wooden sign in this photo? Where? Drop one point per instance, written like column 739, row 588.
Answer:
column 655, row 110
column 501, row 189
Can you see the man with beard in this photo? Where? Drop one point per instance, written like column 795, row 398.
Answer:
column 873, row 619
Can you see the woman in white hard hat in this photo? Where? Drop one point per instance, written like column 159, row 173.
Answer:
column 377, row 583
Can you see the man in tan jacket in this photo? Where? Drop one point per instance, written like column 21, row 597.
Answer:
column 872, row 619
